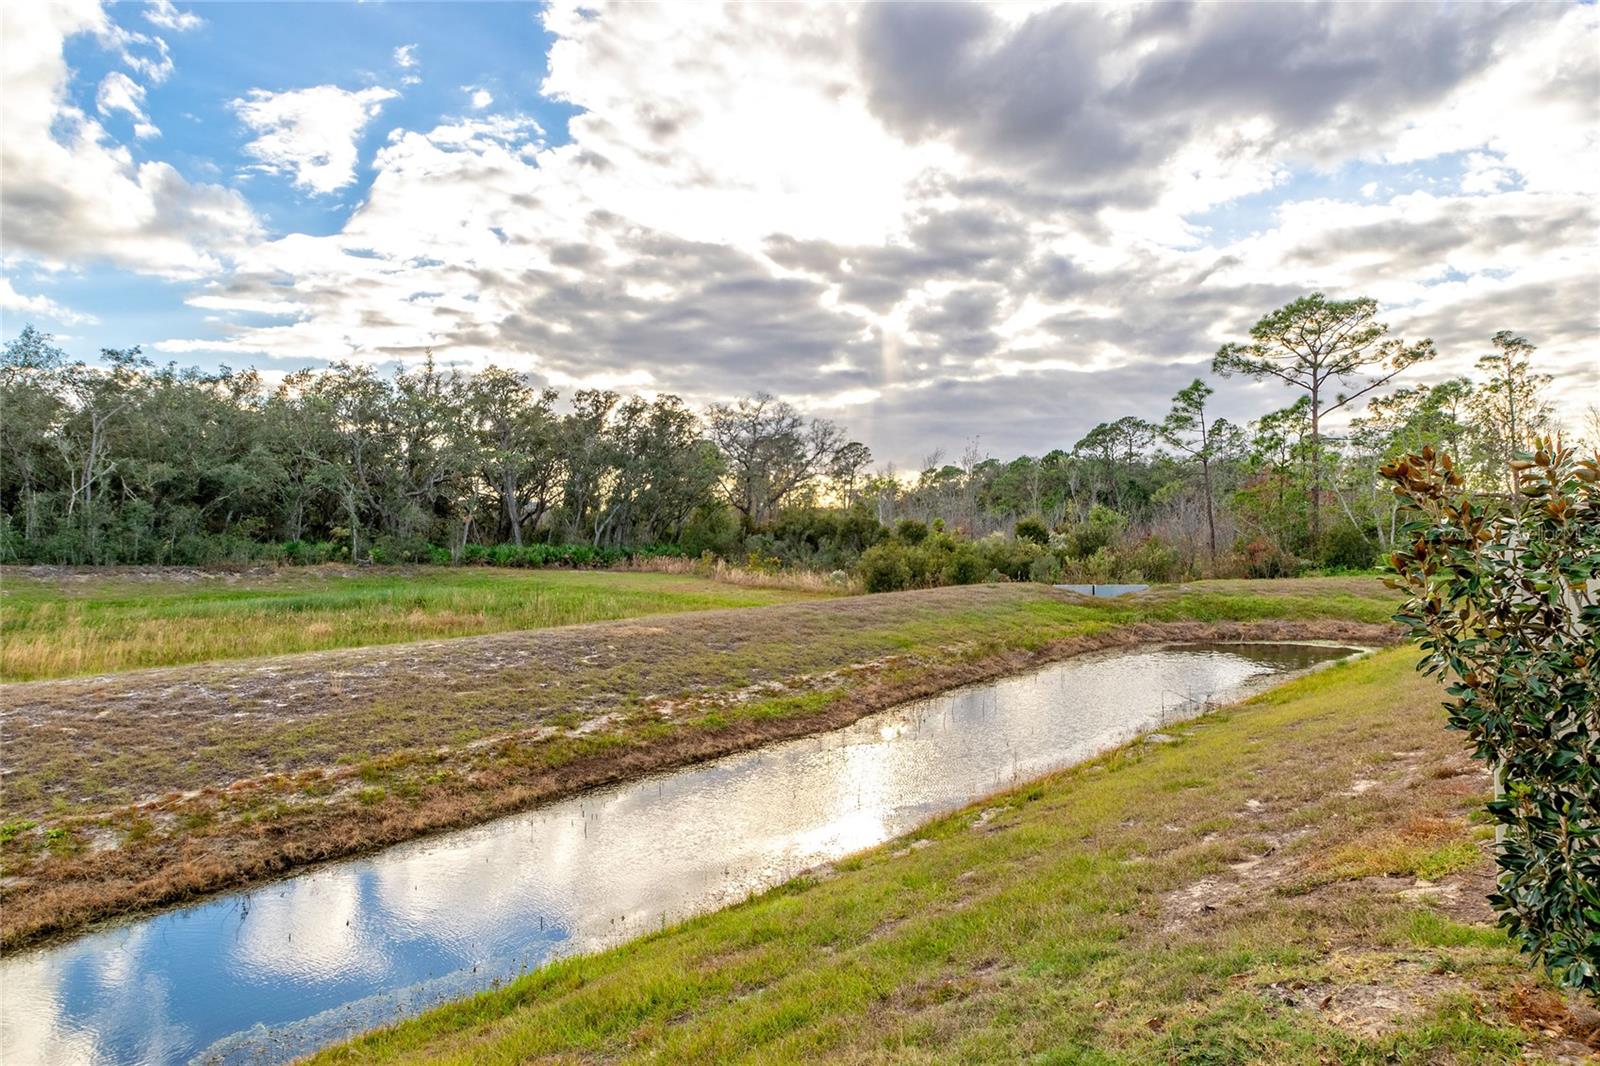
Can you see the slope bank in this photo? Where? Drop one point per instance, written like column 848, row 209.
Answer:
column 1298, row 879
column 135, row 790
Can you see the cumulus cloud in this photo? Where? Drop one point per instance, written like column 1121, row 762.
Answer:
column 164, row 14
column 147, row 55
column 40, row 305
column 1190, row 105
column 310, row 134
column 943, row 221
column 405, row 57
column 118, row 92
column 69, row 192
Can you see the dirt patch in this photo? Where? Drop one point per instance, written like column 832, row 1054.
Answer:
column 1431, row 857
column 986, row 816
column 1569, row 1024
column 1369, row 1010
column 1462, row 897
column 1373, row 995
column 1245, row 881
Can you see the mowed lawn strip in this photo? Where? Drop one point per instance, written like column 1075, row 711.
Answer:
column 154, row 786
column 61, row 624
column 1250, row 893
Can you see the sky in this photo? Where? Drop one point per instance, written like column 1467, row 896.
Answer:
column 943, row 225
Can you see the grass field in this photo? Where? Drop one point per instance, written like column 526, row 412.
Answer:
column 127, row 791
column 60, row 625
column 1298, row 880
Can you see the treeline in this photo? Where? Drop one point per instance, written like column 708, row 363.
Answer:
column 131, row 463
column 1194, row 494
column 127, row 462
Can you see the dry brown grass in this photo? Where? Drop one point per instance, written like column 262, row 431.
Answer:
column 818, row 581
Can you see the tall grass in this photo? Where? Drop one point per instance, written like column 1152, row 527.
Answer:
column 50, row 628
column 819, row 582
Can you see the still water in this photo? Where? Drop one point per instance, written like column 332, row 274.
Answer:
column 269, row 974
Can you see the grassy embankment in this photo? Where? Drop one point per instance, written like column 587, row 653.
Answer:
column 158, row 785
column 1298, row 879
column 123, row 619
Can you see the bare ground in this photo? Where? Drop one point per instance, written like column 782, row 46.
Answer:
column 1368, row 990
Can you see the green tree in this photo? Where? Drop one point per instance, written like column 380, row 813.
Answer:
column 1187, row 429
column 98, row 404
column 1507, row 406
column 1320, row 346
column 1400, row 423
column 1273, row 497
column 514, row 443
column 847, row 469
column 661, row 472
column 771, row 451
column 1117, row 447
column 33, row 410
column 588, row 456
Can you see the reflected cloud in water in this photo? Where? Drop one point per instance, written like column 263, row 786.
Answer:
column 273, row 973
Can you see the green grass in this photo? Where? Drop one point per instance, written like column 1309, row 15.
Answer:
column 1051, row 936
column 60, row 627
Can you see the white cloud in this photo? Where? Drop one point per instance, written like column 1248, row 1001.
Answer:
column 12, row 300
column 936, row 218
column 144, row 54
column 707, row 124
column 162, row 13
column 311, row 134
column 1536, row 106
column 405, row 57
column 118, row 92
column 69, row 192
column 1486, row 173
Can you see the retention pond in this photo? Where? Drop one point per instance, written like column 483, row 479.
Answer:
column 272, row 973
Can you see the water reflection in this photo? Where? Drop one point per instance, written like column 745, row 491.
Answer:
column 272, row 973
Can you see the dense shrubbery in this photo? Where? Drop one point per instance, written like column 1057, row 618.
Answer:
column 1095, row 550
column 577, row 556
column 1507, row 607
column 1349, row 548
column 218, row 551
column 1033, row 529
column 938, row 558
column 816, row 538
column 1081, row 540
column 1262, row 558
